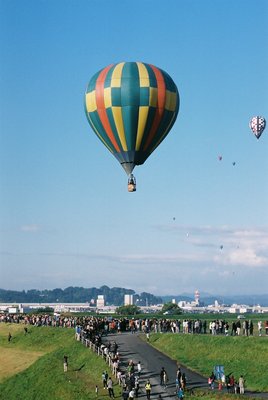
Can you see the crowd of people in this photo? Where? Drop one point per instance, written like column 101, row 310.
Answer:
column 93, row 329
column 233, row 386
column 146, row 325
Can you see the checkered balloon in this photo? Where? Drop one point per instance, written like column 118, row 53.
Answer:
column 257, row 125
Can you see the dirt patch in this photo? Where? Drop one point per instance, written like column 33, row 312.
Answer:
column 13, row 361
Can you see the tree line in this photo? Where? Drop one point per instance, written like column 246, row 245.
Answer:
column 113, row 296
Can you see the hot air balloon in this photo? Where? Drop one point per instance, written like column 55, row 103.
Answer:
column 131, row 107
column 219, row 158
column 257, row 125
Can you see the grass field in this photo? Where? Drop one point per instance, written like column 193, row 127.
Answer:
column 32, row 366
column 247, row 356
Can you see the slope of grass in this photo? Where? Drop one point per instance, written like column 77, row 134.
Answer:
column 247, row 356
column 44, row 379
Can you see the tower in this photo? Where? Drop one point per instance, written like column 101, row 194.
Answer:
column 196, row 297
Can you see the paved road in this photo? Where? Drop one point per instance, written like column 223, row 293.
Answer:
column 132, row 347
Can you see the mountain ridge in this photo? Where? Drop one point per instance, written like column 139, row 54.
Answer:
column 115, row 296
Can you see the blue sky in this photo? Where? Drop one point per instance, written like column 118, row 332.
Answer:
column 66, row 216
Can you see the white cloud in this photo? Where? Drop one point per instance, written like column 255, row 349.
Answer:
column 246, row 257
column 30, row 228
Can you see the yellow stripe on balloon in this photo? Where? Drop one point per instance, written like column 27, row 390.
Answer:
column 117, row 75
column 118, row 119
column 171, row 101
column 91, row 104
column 107, row 97
column 143, row 115
column 153, row 97
column 143, row 74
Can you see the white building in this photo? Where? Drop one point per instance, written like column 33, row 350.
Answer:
column 100, row 301
column 128, row 299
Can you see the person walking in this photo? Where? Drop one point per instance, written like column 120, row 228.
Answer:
column 104, row 379
column 136, row 387
column 110, row 388
column 165, row 379
column 139, row 369
column 241, row 384
column 259, row 327
column 183, row 381
column 162, row 373
column 65, row 363
column 131, row 395
column 180, row 393
column 125, row 393
column 148, row 389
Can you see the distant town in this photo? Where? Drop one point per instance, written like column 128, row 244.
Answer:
column 100, row 306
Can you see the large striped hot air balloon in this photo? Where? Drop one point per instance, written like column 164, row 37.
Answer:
column 131, row 106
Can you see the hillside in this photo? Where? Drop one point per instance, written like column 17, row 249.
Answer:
column 113, row 296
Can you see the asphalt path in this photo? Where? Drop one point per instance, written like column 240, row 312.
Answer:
column 132, row 347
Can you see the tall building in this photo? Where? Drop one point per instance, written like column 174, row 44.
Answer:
column 100, row 301
column 196, row 297
column 128, row 300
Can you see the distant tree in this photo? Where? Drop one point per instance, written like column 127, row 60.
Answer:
column 148, row 299
column 128, row 310
column 171, row 308
column 46, row 310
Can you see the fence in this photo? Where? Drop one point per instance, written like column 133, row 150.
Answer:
column 99, row 351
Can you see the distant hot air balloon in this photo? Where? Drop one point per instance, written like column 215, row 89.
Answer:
column 131, row 106
column 219, row 158
column 257, row 125
column 233, row 163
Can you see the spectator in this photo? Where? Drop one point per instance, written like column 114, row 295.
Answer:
column 110, row 388
column 148, row 389
column 125, row 393
column 65, row 363
column 259, row 327
column 180, row 393
column 104, row 377
column 241, row 383
column 139, row 368
column 162, row 374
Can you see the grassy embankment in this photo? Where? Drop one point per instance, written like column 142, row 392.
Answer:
column 247, row 356
column 31, row 366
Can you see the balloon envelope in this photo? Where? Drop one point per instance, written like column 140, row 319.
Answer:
column 257, row 125
column 131, row 106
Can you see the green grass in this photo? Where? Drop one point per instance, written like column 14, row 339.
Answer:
column 247, row 356
column 45, row 379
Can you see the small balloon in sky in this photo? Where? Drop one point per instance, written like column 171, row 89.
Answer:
column 174, row 218
column 257, row 124
column 219, row 158
column 221, row 247
column 233, row 163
